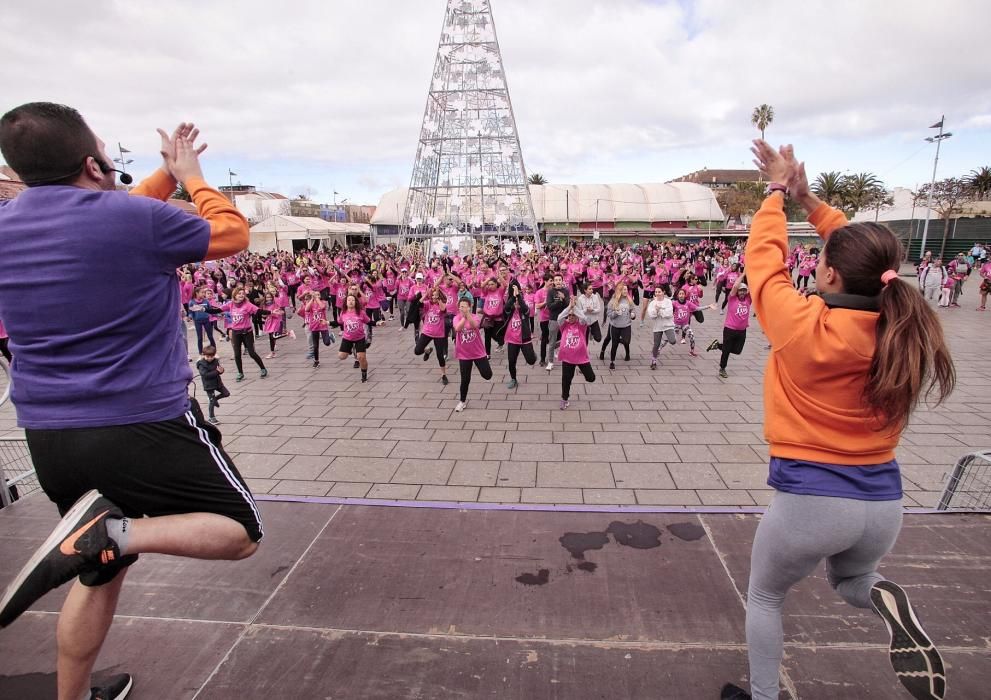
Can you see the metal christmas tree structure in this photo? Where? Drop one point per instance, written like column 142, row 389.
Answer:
column 469, row 184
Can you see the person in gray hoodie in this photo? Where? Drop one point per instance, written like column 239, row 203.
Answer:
column 660, row 312
column 620, row 313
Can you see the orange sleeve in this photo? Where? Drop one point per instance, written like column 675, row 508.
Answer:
column 159, row 185
column 781, row 310
column 826, row 219
column 228, row 227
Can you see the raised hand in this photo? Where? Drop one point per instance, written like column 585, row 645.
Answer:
column 187, row 132
column 770, row 162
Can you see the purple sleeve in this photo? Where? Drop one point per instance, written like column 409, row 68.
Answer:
column 180, row 237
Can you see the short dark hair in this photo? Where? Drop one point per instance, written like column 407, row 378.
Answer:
column 209, row 350
column 46, row 143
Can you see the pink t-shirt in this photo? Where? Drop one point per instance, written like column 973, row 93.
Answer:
column 273, row 322
column 352, row 325
column 574, row 348
column 240, row 314
column 694, row 292
column 432, row 319
column 404, row 289
column 316, row 319
column 738, row 313
column 495, row 302
column 539, row 297
column 3, row 331
column 468, row 342
column 683, row 312
column 451, row 292
column 514, row 329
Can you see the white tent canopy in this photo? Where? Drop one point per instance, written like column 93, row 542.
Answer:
column 670, row 201
column 277, row 232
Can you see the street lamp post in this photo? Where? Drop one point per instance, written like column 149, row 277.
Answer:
column 123, row 162
column 938, row 139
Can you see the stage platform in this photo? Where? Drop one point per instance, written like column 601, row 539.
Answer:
column 347, row 601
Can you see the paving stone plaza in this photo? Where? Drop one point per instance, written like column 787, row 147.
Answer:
column 676, row 437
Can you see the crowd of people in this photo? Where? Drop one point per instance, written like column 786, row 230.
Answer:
column 544, row 306
column 943, row 281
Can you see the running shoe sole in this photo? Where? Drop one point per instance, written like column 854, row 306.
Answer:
column 915, row 659
column 119, row 688
column 65, row 528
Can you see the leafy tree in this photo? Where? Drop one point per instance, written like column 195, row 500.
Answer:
column 740, row 200
column 948, row 197
column 537, row 179
column 181, row 193
column 829, row 187
column 762, row 117
column 861, row 191
column 980, row 182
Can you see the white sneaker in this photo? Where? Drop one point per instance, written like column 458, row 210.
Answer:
column 460, row 407
column 550, row 366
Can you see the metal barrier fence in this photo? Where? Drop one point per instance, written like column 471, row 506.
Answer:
column 17, row 477
column 968, row 486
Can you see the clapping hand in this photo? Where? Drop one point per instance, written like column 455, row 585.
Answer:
column 180, row 154
column 772, row 163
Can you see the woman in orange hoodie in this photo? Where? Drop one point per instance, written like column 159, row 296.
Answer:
column 848, row 367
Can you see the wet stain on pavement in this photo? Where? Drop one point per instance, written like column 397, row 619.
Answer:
column 639, row 535
column 689, row 532
column 538, row 579
column 580, row 542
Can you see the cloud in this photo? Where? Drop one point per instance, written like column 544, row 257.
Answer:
column 340, row 87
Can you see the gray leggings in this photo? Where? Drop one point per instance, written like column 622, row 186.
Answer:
column 660, row 338
column 793, row 537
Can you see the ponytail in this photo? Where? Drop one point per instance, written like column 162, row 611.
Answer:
column 911, row 357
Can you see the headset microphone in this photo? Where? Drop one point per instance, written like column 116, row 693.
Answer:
column 125, row 178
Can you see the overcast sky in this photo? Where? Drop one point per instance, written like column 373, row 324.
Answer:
column 329, row 95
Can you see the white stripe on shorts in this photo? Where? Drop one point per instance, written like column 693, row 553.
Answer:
column 225, row 469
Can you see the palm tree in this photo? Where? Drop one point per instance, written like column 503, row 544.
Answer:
column 980, row 182
column 537, row 179
column 860, row 190
column 762, row 117
column 830, row 187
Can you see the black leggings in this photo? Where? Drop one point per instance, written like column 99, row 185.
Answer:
column 491, row 333
column 545, row 331
column 484, row 369
column 247, row 340
column 5, row 351
column 720, row 288
column 514, row 352
column 568, row 374
column 440, row 345
column 733, row 342
column 317, row 337
column 620, row 336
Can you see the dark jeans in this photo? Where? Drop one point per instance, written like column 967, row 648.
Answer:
column 201, row 326
column 514, row 352
column 484, row 369
column 440, row 346
column 317, row 337
column 544, row 338
column 568, row 374
column 215, row 395
column 620, row 336
column 245, row 339
column 733, row 342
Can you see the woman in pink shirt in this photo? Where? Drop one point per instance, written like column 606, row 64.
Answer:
column 573, row 353
column 433, row 319
column 985, row 287
column 735, row 328
column 518, row 331
column 683, row 310
column 469, row 349
column 493, row 310
column 315, row 311
column 275, row 324
column 353, row 320
column 242, row 332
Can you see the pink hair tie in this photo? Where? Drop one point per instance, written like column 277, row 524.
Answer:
column 887, row 276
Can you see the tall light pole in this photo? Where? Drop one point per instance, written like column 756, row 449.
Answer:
column 124, row 162
column 938, row 139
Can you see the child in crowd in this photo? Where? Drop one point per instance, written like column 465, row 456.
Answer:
column 275, row 324
column 946, row 292
column 735, row 326
column 210, row 371
column 683, row 310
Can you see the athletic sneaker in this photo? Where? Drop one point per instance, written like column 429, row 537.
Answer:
column 682, row 341
column 693, row 353
column 564, row 404
column 712, row 346
column 512, row 384
column 212, row 420
column 914, row 657
column 499, row 348
column 264, row 373
column 364, row 379
column 357, row 364
column 270, row 356
column 460, row 407
column 653, row 364
column 733, row 692
column 333, row 339
column 78, row 544
column 117, row 688
column 239, row 377
column 722, row 373
column 316, row 363
column 292, row 334
column 443, row 379
column 612, row 365
column 426, row 354
column 550, row 366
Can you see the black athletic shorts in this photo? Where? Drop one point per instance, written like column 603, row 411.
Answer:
column 356, row 345
column 165, row 468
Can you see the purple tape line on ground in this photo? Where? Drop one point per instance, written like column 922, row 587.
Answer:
column 554, row 508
